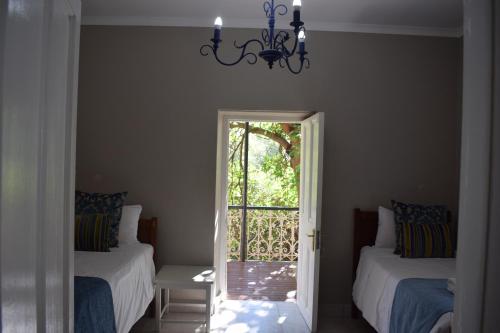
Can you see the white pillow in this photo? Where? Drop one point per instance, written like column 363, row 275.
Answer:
column 386, row 233
column 128, row 224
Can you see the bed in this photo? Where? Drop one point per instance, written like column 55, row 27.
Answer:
column 377, row 273
column 128, row 269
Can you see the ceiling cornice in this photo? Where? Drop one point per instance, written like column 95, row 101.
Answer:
column 249, row 23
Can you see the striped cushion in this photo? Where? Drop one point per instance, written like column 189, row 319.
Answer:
column 426, row 240
column 414, row 213
column 92, row 232
column 102, row 203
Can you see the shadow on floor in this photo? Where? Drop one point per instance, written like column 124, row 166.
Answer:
column 265, row 281
column 258, row 317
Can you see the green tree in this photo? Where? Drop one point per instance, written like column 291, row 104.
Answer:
column 274, row 164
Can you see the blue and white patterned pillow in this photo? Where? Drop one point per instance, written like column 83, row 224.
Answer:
column 100, row 203
column 417, row 214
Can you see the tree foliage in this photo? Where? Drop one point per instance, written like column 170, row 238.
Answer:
column 274, row 164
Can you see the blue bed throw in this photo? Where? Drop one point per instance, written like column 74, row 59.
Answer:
column 93, row 306
column 418, row 305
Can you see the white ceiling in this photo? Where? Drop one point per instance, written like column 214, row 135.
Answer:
column 417, row 17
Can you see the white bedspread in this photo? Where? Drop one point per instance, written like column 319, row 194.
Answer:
column 130, row 271
column 378, row 274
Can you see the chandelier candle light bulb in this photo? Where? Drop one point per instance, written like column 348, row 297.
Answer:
column 218, row 23
column 302, row 39
column 296, row 10
column 218, row 28
column 302, row 36
column 274, row 46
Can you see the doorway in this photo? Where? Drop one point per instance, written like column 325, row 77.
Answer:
column 255, row 228
column 263, row 210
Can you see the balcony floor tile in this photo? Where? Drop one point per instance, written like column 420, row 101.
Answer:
column 257, row 280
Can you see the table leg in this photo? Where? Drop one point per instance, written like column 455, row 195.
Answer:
column 167, row 300
column 212, row 306
column 208, row 310
column 158, row 308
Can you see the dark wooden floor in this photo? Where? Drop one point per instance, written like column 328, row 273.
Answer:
column 256, row 280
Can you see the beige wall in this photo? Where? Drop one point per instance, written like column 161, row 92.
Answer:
column 147, row 123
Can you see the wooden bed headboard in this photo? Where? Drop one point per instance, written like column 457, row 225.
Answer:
column 146, row 233
column 365, row 232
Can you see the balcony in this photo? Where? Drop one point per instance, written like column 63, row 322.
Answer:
column 264, row 267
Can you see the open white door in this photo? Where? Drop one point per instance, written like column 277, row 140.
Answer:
column 311, row 173
column 39, row 43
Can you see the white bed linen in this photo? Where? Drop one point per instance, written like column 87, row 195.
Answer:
column 378, row 274
column 130, row 272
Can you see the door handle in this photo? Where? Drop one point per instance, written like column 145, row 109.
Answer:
column 313, row 236
column 315, row 239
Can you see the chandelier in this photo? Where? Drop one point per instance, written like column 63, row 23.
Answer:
column 274, row 46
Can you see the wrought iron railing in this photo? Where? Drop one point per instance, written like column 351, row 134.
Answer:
column 272, row 233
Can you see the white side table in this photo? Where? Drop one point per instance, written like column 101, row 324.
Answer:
column 183, row 277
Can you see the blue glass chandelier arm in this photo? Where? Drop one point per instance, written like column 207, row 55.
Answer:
column 203, row 50
column 281, row 9
column 265, row 36
column 244, row 46
column 281, row 62
column 304, row 62
column 280, row 38
column 280, row 41
column 307, row 63
column 270, row 9
column 249, row 56
column 291, row 69
column 286, row 51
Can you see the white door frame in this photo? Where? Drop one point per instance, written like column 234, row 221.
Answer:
column 70, row 163
column 220, row 226
column 477, row 297
column 38, row 95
